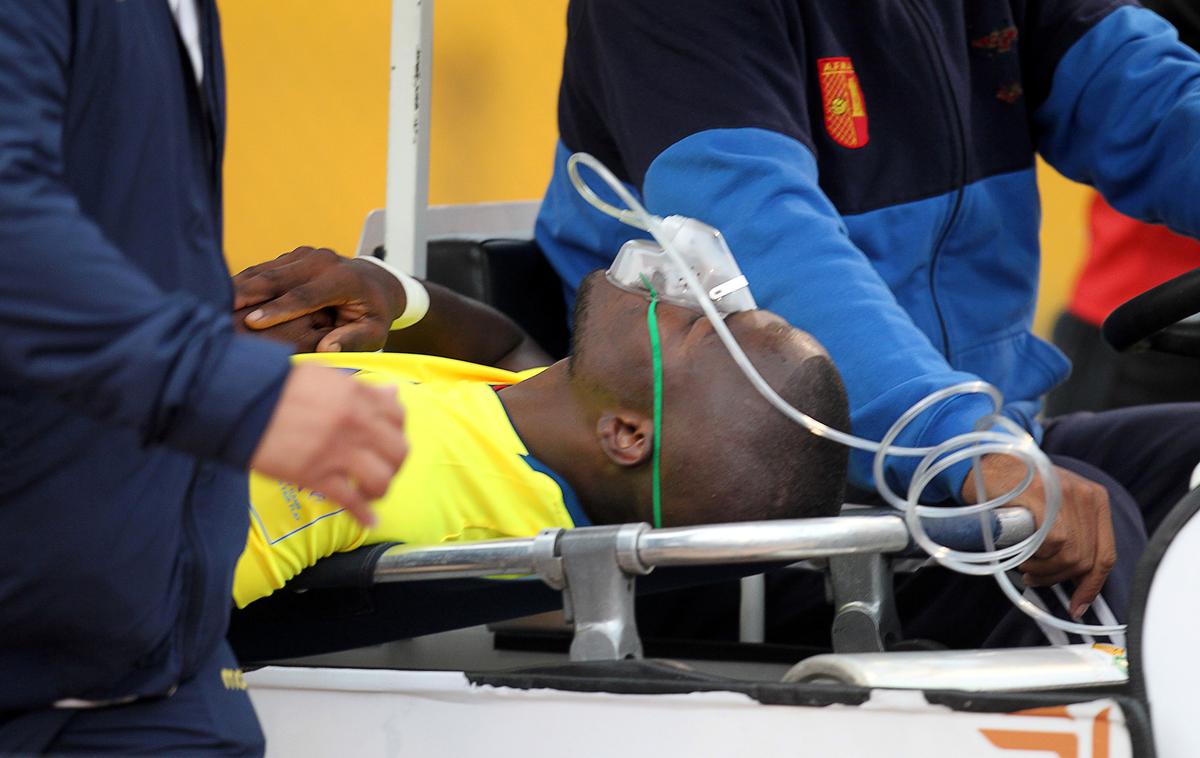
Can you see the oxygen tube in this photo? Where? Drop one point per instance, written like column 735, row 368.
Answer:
column 1008, row 439
column 656, row 357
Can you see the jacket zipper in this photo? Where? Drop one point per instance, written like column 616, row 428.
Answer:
column 937, row 59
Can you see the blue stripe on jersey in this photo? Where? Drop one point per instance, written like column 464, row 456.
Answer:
column 574, row 507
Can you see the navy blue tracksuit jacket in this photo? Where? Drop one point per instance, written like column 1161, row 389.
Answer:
column 871, row 164
column 128, row 408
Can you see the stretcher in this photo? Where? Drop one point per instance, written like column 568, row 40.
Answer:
column 432, row 677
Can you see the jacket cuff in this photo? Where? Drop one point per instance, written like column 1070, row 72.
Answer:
column 230, row 411
column 956, row 416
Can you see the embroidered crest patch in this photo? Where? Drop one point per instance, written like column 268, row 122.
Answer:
column 845, row 108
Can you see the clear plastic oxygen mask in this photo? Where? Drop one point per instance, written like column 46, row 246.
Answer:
column 692, row 266
column 642, row 263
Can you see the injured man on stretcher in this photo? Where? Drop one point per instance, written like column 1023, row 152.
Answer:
column 501, row 448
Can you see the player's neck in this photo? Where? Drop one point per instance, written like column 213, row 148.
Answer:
column 555, row 428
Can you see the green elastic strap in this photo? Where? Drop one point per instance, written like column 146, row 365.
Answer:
column 656, row 355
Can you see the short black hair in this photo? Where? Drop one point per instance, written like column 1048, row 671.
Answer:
column 796, row 473
column 768, row 466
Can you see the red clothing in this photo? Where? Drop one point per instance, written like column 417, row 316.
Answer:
column 1126, row 258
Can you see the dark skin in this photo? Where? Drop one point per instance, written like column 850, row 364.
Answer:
column 588, row 419
column 318, row 301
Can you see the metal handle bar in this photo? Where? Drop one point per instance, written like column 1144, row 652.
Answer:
column 749, row 542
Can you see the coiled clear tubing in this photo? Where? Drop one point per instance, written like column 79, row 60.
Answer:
column 995, row 434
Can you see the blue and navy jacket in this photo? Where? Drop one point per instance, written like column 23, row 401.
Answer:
column 871, row 165
column 128, row 408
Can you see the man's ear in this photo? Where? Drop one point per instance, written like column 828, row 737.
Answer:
column 626, row 437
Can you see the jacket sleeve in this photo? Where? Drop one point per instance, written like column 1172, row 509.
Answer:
column 706, row 100
column 1123, row 115
column 79, row 321
column 1183, row 14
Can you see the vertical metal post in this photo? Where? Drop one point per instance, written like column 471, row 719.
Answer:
column 408, row 133
column 865, row 618
column 752, row 616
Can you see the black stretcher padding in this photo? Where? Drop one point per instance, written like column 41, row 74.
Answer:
column 290, row 624
column 1142, row 317
column 510, row 275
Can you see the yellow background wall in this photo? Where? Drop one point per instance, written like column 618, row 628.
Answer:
column 306, row 156
column 307, row 149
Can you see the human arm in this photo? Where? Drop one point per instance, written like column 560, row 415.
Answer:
column 1122, row 110
column 732, row 141
column 728, row 139
column 364, row 299
column 1183, row 14
column 78, row 319
column 82, row 322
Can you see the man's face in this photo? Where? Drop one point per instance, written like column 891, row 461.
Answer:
column 612, row 342
column 710, row 410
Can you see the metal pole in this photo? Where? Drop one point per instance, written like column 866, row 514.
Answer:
column 408, row 133
column 784, row 540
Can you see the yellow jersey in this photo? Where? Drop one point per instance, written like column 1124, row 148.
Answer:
column 468, row 476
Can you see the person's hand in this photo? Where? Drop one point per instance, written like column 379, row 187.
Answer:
column 1080, row 545
column 335, row 435
column 364, row 297
column 303, row 333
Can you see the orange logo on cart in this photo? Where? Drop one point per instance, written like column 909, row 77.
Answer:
column 845, row 109
column 1058, row 743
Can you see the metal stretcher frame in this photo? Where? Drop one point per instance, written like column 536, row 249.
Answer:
column 596, row 568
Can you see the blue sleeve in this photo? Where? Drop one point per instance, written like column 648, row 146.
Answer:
column 1123, row 115
column 760, row 189
column 81, row 322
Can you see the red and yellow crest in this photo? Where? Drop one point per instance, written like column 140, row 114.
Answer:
column 845, row 109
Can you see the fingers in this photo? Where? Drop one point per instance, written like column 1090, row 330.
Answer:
column 261, row 283
column 368, row 334
column 390, row 417
column 1089, row 586
column 342, row 491
column 252, row 286
column 336, row 435
column 294, row 302
column 372, row 467
column 1081, row 547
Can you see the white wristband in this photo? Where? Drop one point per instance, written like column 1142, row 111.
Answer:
column 416, row 297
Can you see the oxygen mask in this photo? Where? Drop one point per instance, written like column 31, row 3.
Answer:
column 642, row 262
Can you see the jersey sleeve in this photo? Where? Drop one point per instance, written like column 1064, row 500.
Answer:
column 707, row 104
column 290, row 529
column 78, row 320
column 1123, row 115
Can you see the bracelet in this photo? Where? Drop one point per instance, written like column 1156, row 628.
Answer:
column 416, row 297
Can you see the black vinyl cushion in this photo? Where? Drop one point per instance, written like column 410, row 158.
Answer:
column 337, row 611
column 510, row 275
